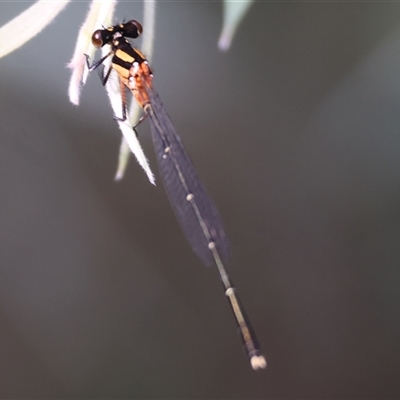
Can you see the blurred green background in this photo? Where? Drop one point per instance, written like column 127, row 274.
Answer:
column 295, row 132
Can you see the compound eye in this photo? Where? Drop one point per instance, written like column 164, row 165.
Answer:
column 138, row 26
column 97, row 39
column 132, row 29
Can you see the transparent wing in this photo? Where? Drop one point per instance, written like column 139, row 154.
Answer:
column 194, row 209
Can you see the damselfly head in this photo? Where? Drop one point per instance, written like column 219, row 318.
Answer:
column 131, row 29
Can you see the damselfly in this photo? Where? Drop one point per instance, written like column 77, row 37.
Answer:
column 195, row 211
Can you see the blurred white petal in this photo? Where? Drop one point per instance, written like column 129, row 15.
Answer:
column 149, row 27
column 28, row 24
column 134, row 145
column 123, row 158
column 234, row 12
column 100, row 13
column 149, row 22
column 124, row 149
